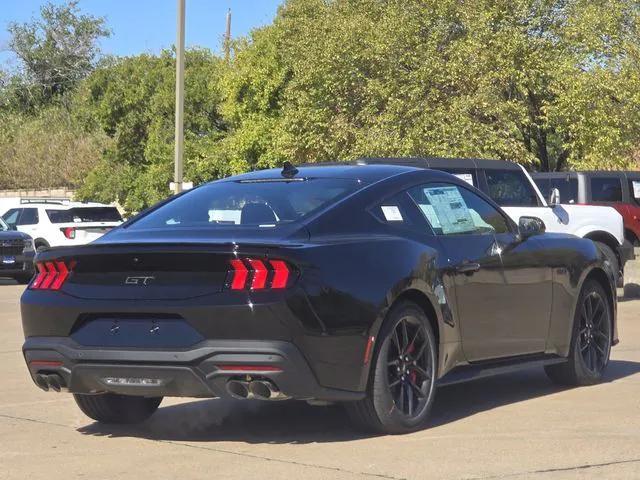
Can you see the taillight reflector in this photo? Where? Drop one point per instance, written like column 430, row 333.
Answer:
column 257, row 274
column 281, row 274
column 51, row 275
column 69, row 232
column 240, row 274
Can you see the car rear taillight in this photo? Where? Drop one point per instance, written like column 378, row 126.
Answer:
column 258, row 274
column 69, row 232
column 51, row 274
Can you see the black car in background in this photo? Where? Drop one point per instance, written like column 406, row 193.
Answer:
column 16, row 254
column 367, row 285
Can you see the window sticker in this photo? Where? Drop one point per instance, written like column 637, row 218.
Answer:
column 467, row 177
column 451, row 210
column 636, row 189
column 392, row 213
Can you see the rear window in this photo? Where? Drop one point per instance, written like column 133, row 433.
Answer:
column 263, row 203
column 84, row 214
column 510, row 188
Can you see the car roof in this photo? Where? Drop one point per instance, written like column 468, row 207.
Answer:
column 356, row 171
column 444, row 162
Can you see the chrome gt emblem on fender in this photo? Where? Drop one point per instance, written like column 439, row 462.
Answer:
column 138, row 280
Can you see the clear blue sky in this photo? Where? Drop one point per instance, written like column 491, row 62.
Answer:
column 150, row 25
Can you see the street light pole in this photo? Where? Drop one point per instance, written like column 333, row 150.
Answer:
column 179, row 133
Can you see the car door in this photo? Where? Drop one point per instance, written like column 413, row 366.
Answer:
column 474, row 234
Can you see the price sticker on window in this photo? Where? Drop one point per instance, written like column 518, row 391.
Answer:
column 392, row 213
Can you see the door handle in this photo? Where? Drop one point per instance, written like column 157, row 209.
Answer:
column 468, row 268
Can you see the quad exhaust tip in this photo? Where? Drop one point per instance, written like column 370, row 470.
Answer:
column 258, row 389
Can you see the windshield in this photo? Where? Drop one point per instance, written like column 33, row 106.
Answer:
column 262, row 203
column 84, row 214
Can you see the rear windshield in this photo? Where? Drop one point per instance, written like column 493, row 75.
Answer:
column 263, row 203
column 85, row 214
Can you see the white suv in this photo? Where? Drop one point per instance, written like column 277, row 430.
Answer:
column 511, row 187
column 59, row 222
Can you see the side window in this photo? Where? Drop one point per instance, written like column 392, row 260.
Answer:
column 606, row 189
column 568, row 188
column 29, row 216
column 453, row 210
column 11, row 217
column 468, row 175
column 634, row 189
column 510, row 188
column 396, row 210
column 544, row 186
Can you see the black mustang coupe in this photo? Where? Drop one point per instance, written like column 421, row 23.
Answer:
column 369, row 285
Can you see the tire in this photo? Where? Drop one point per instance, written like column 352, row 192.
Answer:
column 117, row 409
column 611, row 257
column 590, row 341
column 398, row 402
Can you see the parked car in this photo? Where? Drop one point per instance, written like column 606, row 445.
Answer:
column 368, row 285
column 620, row 190
column 511, row 187
column 59, row 222
column 16, row 254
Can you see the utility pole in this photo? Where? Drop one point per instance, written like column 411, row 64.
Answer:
column 227, row 37
column 179, row 134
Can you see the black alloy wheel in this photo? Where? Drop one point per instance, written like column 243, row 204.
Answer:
column 595, row 332
column 591, row 341
column 402, row 378
column 409, row 378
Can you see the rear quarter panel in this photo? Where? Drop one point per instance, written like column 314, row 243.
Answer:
column 571, row 260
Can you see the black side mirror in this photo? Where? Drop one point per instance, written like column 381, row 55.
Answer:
column 530, row 226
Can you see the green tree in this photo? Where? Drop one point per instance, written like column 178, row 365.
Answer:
column 55, row 52
column 132, row 101
column 547, row 83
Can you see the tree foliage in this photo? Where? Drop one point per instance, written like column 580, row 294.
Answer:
column 55, row 52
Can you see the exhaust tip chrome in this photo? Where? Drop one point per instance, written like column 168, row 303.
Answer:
column 238, row 389
column 266, row 390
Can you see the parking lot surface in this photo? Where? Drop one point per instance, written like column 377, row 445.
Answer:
column 515, row 426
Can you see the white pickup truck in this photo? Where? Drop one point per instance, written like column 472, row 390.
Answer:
column 511, row 187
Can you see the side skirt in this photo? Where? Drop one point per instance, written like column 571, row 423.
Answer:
column 489, row 368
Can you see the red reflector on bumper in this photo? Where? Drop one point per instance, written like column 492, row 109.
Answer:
column 45, row 363
column 249, row 368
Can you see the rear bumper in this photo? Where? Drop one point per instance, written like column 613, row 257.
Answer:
column 194, row 372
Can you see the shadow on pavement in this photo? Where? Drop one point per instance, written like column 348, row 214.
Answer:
column 253, row 421
column 7, row 281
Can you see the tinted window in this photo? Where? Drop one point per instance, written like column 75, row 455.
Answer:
column 468, row 175
column 453, row 210
column 84, row 214
column 567, row 186
column 264, row 203
column 634, row 189
column 544, row 186
column 11, row 217
column 510, row 188
column 606, row 190
column 29, row 216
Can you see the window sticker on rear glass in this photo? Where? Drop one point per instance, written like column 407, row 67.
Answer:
column 636, row 189
column 450, row 209
column 467, row 177
column 391, row 213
